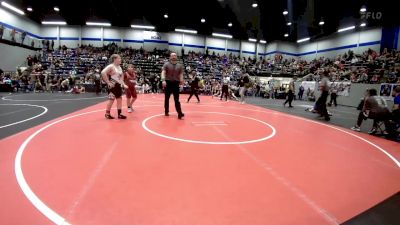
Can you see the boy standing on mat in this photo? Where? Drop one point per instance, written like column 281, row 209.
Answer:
column 130, row 81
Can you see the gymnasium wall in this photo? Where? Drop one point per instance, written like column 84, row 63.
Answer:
column 92, row 35
column 10, row 21
column 217, row 45
column 288, row 50
column 261, row 50
column 248, row 49
column 10, row 62
column 234, row 47
column 72, row 36
column 340, row 43
column 192, row 42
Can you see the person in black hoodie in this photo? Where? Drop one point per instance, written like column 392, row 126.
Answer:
column 194, row 87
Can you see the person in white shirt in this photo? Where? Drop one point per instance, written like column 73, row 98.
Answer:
column 225, row 87
column 113, row 76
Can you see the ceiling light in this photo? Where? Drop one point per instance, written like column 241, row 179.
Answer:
column 203, row 20
column 254, row 5
column 98, row 24
column 166, row 16
column 56, row 9
column 252, row 40
column 13, row 8
column 363, row 8
column 221, row 35
column 286, row 35
column 186, row 31
column 29, row 9
column 263, row 41
column 303, row 40
column 289, row 23
column 229, row 24
column 143, row 27
column 346, row 28
column 54, row 23
column 285, row 12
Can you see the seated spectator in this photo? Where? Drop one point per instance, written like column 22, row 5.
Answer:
column 375, row 107
column 65, row 84
column 1, row 31
column 77, row 90
column 7, row 80
column 38, row 86
column 394, row 122
column 82, row 89
column 54, row 85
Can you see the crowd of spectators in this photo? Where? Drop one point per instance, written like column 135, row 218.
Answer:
column 63, row 69
column 368, row 67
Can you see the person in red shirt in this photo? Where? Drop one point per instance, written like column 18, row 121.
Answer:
column 130, row 81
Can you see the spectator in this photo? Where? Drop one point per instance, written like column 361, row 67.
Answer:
column 97, row 81
column 23, row 35
column 333, row 95
column 12, row 34
column 301, row 92
column 65, row 85
column 244, row 83
column 30, row 60
column 1, row 31
column 38, row 86
column 258, row 89
column 394, row 121
column 290, row 94
column 375, row 107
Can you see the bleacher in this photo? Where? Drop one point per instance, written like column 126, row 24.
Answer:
column 71, row 61
column 147, row 66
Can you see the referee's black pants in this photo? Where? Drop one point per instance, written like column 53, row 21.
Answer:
column 172, row 88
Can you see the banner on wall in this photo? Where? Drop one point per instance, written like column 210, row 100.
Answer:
column 342, row 88
column 151, row 35
column 386, row 90
column 275, row 83
column 308, row 85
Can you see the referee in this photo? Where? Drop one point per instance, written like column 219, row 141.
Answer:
column 172, row 76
